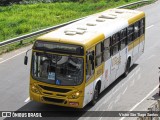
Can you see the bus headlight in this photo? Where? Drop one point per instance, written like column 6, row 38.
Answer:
column 34, row 88
column 75, row 95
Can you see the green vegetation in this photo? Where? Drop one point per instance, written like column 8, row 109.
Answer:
column 17, row 20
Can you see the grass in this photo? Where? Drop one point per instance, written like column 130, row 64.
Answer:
column 17, row 20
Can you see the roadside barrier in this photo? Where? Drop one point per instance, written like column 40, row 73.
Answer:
column 152, row 113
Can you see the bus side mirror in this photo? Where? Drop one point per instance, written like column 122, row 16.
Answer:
column 25, row 60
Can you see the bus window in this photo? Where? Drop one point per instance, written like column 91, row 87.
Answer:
column 123, row 43
column 115, row 38
column 115, row 49
column 98, row 54
column 123, row 36
column 136, row 30
column 142, row 27
column 130, row 33
column 106, row 52
column 89, row 65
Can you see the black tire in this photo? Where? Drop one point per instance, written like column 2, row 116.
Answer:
column 127, row 68
column 95, row 96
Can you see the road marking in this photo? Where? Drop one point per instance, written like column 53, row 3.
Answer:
column 12, row 57
column 100, row 118
column 132, row 83
column 139, row 76
column 124, row 90
column 131, row 76
column 27, row 100
column 110, row 105
column 114, row 90
column 117, row 98
column 150, row 57
column 149, row 27
column 141, row 101
column 138, row 70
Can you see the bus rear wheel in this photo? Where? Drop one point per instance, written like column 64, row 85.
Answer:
column 127, row 68
column 95, row 96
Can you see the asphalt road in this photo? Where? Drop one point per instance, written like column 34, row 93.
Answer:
column 135, row 92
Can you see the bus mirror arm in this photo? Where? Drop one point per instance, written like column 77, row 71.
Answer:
column 26, row 58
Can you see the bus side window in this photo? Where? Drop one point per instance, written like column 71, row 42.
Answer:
column 115, row 49
column 142, row 26
column 106, row 52
column 115, row 38
column 89, row 65
column 136, row 30
column 99, row 54
column 130, row 32
column 123, row 38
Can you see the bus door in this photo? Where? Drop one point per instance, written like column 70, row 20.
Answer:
column 123, row 52
column 90, row 70
column 115, row 56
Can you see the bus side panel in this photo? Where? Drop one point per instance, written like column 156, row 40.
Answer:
column 136, row 50
column 130, row 52
column 141, row 45
column 114, row 66
column 106, row 75
column 88, row 92
column 122, row 62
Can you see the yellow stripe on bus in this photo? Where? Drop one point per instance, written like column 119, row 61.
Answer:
column 136, row 18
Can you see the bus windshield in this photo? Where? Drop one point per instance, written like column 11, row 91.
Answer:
column 57, row 69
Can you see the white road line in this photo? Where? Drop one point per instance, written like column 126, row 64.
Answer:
column 131, row 76
column 100, row 118
column 138, row 70
column 149, row 27
column 150, row 57
column 124, row 90
column 132, row 83
column 12, row 57
column 110, row 105
column 27, row 100
column 139, row 76
column 117, row 98
column 141, row 101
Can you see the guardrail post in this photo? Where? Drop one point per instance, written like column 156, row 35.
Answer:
column 21, row 42
column 158, row 104
column 159, row 86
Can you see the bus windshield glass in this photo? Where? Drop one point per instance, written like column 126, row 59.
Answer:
column 57, row 69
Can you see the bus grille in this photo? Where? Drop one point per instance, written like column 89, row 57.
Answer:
column 54, row 89
column 53, row 100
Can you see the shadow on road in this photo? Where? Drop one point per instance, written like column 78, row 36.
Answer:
column 63, row 111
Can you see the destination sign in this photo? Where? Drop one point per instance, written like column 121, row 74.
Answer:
column 58, row 47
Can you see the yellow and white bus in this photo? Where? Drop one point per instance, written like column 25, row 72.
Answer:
column 72, row 65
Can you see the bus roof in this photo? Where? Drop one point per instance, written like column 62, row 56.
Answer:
column 94, row 28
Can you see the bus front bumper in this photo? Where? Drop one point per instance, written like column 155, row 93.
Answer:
column 60, row 101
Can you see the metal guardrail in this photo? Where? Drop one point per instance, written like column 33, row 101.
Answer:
column 21, row 38
column 134, row 3
column 154, row 109
column 17, row 39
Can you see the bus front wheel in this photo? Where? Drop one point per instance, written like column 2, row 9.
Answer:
column 96, row 95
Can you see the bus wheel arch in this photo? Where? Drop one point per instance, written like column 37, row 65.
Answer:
column 128, row 65
column 96, row 93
